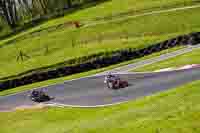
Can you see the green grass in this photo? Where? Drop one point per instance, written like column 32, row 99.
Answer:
column 174, row 111
column 159, row 27
column 4, row 28
column 10, row 66
column 181, row 60
column 112, row 7
column 79, row 75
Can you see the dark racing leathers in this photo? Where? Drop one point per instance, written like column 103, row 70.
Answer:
column 114, row 79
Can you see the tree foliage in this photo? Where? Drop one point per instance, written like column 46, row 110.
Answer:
column 9, row 12
column 15, row 11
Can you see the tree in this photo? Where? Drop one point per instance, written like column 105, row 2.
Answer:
column 41, row 5
column 9, row 12
column 25, row 5
column 24, row 9
column 69, row 3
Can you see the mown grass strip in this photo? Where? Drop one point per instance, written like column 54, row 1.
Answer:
column 186, row 59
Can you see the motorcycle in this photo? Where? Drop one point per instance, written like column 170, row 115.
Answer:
column 39, row 96
column 115, row 84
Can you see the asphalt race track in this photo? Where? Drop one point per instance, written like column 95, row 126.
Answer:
column 91, row 91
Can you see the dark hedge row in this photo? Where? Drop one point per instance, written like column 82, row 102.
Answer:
column 101, row 60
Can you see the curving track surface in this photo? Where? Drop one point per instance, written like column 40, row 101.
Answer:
column 91, row 92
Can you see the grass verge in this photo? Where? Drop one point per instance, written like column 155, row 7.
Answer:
column 56, row 47
column 181, row 60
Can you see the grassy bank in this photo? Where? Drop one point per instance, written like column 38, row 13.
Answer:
column 111, row 8
column 186, row 59
column 174, row 111
column 68, row 44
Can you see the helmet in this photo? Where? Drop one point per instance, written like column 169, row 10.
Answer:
column 109, row 74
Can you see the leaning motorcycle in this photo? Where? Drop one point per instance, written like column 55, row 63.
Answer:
column 39, row 96
column 113, row 84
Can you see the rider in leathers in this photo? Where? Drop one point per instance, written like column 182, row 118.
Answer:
column 112, row 78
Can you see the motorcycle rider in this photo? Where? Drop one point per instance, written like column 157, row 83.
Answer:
column 39, row 96
column 115, row 79
column 38, row 93
column 35, row 93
